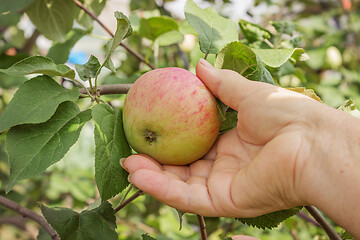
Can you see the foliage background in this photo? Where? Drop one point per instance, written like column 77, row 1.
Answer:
column 327, row 30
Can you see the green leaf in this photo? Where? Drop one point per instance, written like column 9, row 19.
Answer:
column 53, row 18
column 170, row 38
column 59, row 52
column 95, row 6
column 123, row 30
column 143, row 5
column 214, row 31
column 277, row 57
column 147, row 237
column 240, row 58
column 253, row 32
column 284, row 27
column 153, row 27
column 349, row 107
column 270, row 220
column 39, row 64
column 89, row 69
column 230, row 120
column 95, row 224
column 110, row 65
column 32, row 148
column 43, row 235
column 14, row 5
column 111, row 146
column 35, row 102
column 10, row 11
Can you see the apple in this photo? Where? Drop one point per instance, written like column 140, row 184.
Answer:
column 170, row 115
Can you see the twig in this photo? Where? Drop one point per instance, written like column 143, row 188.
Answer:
column 202, row 226
column 110, row 89
column 330, row 231
column 206, row 54
column 93, row 16
column 129, row 200
column 308, row 219
column 31, row 42
column 16, row 221
column 25, row 212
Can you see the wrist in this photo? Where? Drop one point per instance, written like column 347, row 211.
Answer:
column 330, row 179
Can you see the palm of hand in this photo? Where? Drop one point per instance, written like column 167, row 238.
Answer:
column 218, row 184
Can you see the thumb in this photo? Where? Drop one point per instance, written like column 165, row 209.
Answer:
column 227, row 85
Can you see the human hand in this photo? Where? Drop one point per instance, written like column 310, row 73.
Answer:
column 252, row 169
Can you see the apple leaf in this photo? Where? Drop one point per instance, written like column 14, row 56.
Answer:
column 110, row 147
column 284, row 27
column 97, row 223
column 147, row 237
column 349, row 107
column 39, row 64
column 230, row 120
column 240, row 58
column 253, row 32
column 59, row 52
column 53, row 18
column 270, row 220
column 95, row 6
column 277, row 57
column 154, row 27
column 170, row 38
column 123, row 30
column 35, row 102
column 43, row 235
column 32, row 148
column 89, row 69
column 308, row 92
column 214, row 31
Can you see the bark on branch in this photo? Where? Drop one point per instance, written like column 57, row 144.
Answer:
column 330, row 231
column 25, row 212
column 110, row 89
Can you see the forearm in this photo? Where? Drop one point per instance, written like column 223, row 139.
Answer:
column 333, row 175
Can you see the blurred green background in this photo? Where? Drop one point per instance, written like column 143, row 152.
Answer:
column 328, row 30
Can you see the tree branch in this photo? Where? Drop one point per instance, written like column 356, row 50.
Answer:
column 93, row 16
column 129, row 200
column 309, row 219
column 25, row 212
column 202, row 226
column 16, row 221
column 330, row 231
column 110, row 89
column 31, row 42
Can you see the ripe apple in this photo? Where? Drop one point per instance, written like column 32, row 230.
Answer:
column 170, row 115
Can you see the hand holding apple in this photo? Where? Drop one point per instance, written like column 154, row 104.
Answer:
column 287, row 150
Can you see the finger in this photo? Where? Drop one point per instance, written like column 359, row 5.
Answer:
column 192, row 198
column 243, row 237
column 227, row 85
column 141, row 161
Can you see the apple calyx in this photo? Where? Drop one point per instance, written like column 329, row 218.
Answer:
column 150, row 136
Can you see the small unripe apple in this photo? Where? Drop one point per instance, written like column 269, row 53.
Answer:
column 333, row 57
column 170, row 115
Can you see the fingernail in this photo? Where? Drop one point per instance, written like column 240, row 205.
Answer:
column 122, row 160
column 205, row 63
column 129, row 177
